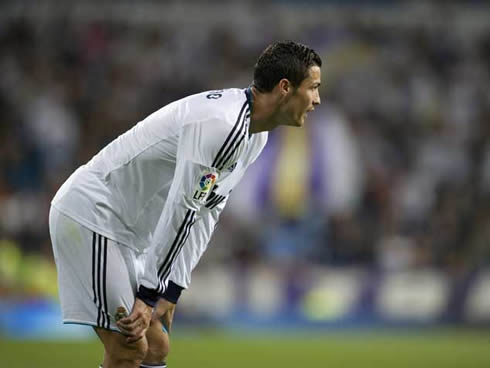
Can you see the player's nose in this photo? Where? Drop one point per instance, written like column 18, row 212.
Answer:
column 316, row 99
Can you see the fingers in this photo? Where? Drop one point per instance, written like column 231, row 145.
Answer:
column 128, row 329
column 137, row 329
column 134, row 330
column 130, row 321
column 131, row 324
column 135, row 325
column 136, row 336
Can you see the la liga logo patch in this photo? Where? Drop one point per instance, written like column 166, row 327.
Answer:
column 204, row 186
column 207, row 182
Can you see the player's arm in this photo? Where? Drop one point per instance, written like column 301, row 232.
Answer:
column 187, row 259
column 203, row 230
column 205, row 150
column 199, row 148
column 179, row 278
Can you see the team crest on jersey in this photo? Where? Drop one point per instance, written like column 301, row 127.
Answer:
column 206, row 183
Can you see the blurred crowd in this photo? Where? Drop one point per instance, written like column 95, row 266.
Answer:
column 391, row 172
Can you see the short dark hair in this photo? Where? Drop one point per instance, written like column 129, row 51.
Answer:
column 285, row 59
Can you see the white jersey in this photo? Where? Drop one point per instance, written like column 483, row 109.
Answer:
column 160, row 187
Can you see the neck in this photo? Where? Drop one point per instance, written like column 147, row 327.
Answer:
column 264, row 115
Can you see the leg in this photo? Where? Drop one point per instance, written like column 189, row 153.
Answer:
column 158, row 340
column 96, row 277
column 158, row 344
column 118, row 353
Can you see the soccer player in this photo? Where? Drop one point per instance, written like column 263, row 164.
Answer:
column 128, row 227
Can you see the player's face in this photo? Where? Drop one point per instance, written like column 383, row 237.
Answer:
column 304, row 98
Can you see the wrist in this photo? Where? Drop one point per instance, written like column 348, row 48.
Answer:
column 172, row 292
column 147, row 296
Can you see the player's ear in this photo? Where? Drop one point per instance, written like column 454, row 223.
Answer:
column 284, row 86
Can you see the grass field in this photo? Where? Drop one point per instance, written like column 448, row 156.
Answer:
column 448, row 349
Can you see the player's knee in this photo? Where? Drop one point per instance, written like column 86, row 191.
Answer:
column 135, row 351
column 158, row 349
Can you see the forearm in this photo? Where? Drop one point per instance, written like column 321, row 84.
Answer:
column 169, row 239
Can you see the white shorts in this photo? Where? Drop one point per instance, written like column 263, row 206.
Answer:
column 95, row 275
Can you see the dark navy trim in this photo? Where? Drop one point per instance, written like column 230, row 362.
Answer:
column 241, row 133
column 100, row 316
column 94, row 237
column 99, row 279
column 187, row 231
column 250, row 96
column 149, row 296
column 172, row 292
column 214, row 200
column 232, row 133
column 173, row 249
column 160, row 365
column 242, row 137
column 104, row 287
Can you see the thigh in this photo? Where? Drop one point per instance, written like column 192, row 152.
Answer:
column 95, row 274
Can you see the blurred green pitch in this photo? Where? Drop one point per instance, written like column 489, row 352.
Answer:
column 441, row 348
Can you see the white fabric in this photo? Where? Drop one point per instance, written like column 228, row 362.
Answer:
column 139, row 189
column 92, row 283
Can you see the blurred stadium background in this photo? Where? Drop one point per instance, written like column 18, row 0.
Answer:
column 374, row 217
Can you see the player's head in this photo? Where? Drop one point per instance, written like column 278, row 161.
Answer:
column 291, row 71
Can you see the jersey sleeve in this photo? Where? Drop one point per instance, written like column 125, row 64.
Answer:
column 187, row 221
column 200, row 237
